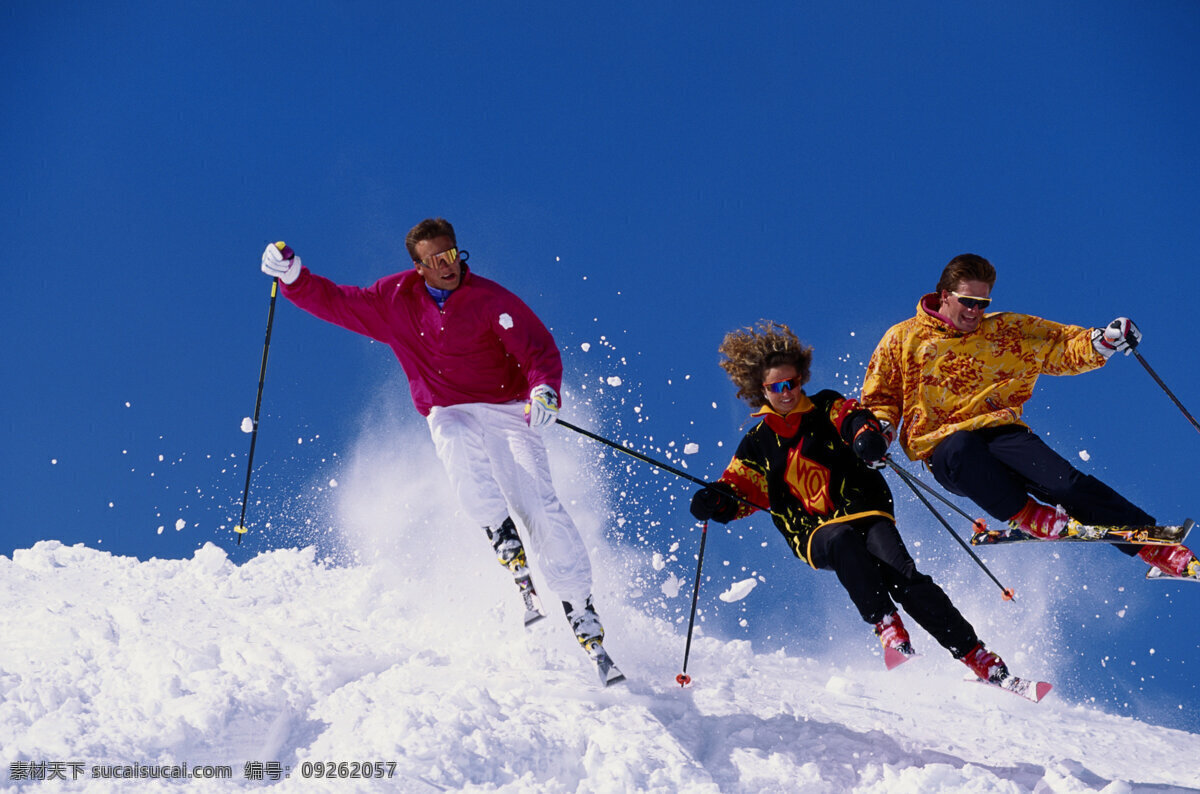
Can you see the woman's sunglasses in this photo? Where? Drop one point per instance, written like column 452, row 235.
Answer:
column 780, row 386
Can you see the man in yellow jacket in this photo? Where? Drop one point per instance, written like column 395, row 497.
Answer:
column 955, row 380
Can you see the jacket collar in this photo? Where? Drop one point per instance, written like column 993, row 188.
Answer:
column 786, row 426
column 418, row 282
column 929, row 317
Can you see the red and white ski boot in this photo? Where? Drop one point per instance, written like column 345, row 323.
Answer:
column 1171, row 562
column 897, row 647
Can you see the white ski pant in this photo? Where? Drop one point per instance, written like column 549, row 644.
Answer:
column 498, row 467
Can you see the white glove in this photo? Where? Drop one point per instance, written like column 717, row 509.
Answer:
column 281, row 262
column 542, row 409
column 1119, row 336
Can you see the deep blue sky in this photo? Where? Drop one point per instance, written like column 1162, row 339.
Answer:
column 655, row 176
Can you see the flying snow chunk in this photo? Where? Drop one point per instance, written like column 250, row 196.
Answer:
column 1084, row 454
column 657, row 562
column 613, row 380
column 586, row 346
column 670, row 587
column 843, row 686
column 506, row 321
column 333, row 483
column 690, row 448
column 738, row 590
column 247, row 424
column 180, row 524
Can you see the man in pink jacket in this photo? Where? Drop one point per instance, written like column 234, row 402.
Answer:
column 485, row 373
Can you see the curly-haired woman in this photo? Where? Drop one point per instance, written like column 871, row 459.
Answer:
column 835, row 511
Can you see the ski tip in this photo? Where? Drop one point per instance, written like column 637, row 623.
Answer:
column 614, row 677
column 893, row 658
column 532, row 617
column 1040, row 690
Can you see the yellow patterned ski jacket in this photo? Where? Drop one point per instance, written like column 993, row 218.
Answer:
column 940, row 380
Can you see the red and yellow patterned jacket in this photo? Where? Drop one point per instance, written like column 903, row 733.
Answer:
column 940, row 380
column 799, row 466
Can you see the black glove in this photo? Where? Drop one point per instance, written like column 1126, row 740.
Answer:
column 871, row 446
column 715, row 503
column 867, row 437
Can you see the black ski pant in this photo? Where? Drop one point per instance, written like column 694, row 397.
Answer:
column 998, row 468
column 871, row 562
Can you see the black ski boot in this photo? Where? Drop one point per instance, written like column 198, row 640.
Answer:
column 511, row 554
column 586, row 625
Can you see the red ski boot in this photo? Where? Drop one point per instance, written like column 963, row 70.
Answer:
column 985, row 664
column 897, row 647
column 1176, row 562
column 1039, row 520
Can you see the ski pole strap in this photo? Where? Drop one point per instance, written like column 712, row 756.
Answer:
column 1163, row 386
column 665, row 467
column 1008, row 593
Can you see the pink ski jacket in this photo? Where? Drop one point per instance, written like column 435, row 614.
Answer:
column 484, row 346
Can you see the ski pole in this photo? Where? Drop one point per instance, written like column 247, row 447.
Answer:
column 1170, row 394
column 653, row 462
column 683, row 679
column 979, row 524
column 240, row 529
column 1008, row 593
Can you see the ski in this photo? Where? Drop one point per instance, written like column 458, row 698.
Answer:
column 894, row 657
column 1153, row 534
column 606, row 668
column 1027, row 688
column 1157, row 575
column 533, row 604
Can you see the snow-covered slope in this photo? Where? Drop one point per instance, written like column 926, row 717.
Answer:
column 400, row 643
column 111, row 661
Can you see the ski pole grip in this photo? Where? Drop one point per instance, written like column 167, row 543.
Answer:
column 285, row 249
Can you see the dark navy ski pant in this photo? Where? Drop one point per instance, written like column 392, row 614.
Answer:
column 871, row 562
column 998, row 468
